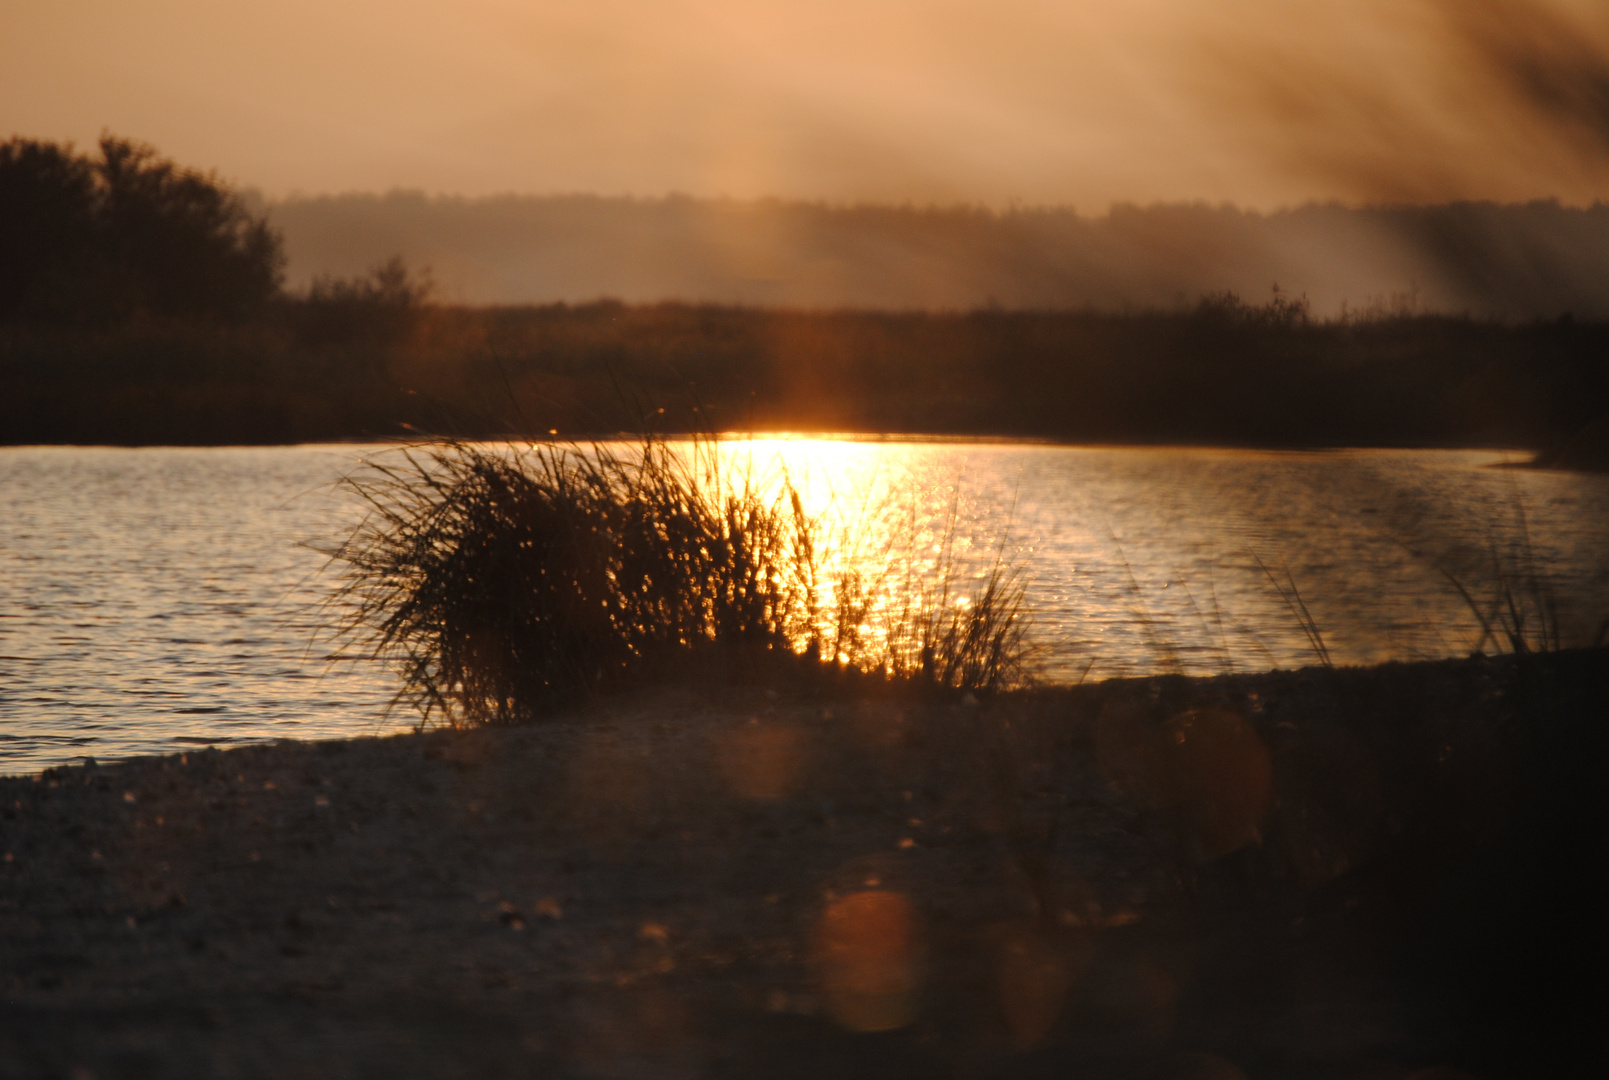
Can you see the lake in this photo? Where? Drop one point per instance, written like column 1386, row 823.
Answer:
column 156, row 599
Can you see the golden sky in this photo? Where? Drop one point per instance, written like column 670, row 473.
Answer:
column 1263, row 103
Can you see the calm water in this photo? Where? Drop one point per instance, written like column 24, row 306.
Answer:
column 154, row 599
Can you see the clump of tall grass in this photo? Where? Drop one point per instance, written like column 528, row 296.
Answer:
column 505, row 582
column 1504, row 585
column 1521, row 611
column 923, row 628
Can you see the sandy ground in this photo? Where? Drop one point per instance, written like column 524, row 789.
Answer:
column 1149, row 878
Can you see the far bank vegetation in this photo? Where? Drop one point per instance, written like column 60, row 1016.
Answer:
column 142, row 302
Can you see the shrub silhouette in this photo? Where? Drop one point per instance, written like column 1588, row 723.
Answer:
column 379, row 309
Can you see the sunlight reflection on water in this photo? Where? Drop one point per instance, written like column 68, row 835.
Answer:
column 157, row 598
column 1147, row 560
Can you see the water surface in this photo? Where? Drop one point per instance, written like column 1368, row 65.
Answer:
column 156, row 599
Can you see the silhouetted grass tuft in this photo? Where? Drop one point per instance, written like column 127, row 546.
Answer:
column 506, row 582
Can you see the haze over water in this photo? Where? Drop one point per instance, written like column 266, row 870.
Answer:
column 158, row 599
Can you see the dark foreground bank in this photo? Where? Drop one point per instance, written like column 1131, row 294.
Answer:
column 1361, row 873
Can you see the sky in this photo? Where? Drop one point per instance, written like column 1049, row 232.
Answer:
column 1081, row 103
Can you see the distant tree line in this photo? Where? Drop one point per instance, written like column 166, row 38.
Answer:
column 1514, row 262
column 124, row 233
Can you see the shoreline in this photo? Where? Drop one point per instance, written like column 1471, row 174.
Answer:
column 648, row 887
column 783, row 435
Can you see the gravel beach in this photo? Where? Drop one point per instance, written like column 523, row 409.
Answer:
column 1291, row 874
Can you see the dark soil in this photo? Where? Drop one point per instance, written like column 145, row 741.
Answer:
column 1347, row 874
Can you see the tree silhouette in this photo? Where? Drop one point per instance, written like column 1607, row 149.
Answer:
column 128, row 233
column 47, row 226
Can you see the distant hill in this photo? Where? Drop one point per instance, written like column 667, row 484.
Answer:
column 1537, row 260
